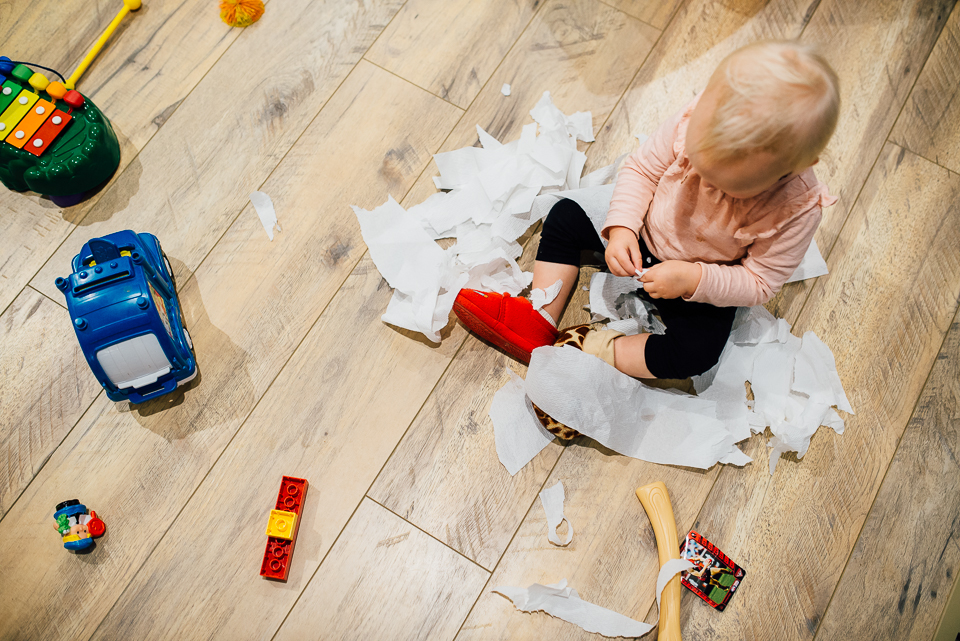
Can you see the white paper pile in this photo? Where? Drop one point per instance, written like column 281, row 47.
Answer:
column 487, row 208
column 794, row 382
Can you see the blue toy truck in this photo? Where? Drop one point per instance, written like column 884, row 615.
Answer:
column 123, row 303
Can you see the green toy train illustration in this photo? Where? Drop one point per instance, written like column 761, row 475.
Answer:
column 53, row 141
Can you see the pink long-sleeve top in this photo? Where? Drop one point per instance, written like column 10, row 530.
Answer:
column 747, row 248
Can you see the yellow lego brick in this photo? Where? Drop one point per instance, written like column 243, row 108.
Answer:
column 17, row 110
column 282, row 524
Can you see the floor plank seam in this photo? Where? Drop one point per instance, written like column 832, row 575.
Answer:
column 916, row 403
column 921, row 156
column 412, row 524
column 31, row 287
column 410, row 82
column 641, row 19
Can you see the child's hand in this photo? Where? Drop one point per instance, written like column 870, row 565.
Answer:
column 623, row 252
column 670, row 279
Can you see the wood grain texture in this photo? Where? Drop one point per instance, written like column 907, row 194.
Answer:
column 214, row 150
column 332, row 417
column 930, row 122
column 612, row 560
column 899, row 246
column 905, row 563
column 656, row 13
column 150, row 459
column 147, row 68
column 385, row 579
column 450, row 48
column 47, row 386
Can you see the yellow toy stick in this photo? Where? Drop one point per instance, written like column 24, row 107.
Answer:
column 656, row 502
column 128, row 6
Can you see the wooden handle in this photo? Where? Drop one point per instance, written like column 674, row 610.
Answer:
column 656, row 502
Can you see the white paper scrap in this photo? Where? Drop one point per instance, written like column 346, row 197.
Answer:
column 518, row 434
column 811, row 266
column 552, row 501
column 266, row 212
column 668, row 570
column 540, row 297
column 505, row 89
column 563, row 602
column 620, row 412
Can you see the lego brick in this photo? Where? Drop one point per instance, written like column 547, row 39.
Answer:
column 276, row 559
column 48, row 132
column 30, row 123
column 282, row 524
column 292, row 491
column 8, row 93
column 17, row 110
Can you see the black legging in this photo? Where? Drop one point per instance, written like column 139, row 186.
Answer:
column 696, row 332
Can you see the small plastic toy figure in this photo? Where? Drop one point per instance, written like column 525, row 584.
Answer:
column 123, row 303
column 76, row 526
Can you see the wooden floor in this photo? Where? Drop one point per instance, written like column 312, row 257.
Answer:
column 411, row 520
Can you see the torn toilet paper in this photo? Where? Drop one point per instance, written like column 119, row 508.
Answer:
column 552, row 501
column 540, row 297
column 794, row 381
column 266, row 212
column 505, row 89
column 518, row 434
column 563, row 602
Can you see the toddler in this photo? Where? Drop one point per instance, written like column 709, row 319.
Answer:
column 716, row 210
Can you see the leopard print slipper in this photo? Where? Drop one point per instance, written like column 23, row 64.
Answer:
column 574, row 337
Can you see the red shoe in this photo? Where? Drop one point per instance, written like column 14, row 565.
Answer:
column 509, row 322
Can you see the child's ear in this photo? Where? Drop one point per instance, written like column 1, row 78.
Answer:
column 815, row 161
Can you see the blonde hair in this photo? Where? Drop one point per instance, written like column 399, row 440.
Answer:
column 776, row 96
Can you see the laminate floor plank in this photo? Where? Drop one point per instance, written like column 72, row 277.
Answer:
column 899, row 576
column 450, row 48
column 141, row 465
column 930, row 122
column 385, row 578
column 41, row 353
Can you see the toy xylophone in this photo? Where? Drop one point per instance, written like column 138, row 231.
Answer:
column 53, row 141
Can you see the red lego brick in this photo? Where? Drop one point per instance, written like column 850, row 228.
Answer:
column 292, row 491
column 276, row 558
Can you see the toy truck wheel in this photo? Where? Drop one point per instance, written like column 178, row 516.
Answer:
column 173, row 279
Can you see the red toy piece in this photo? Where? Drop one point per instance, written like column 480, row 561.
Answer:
column 283, row 527
column 509, row 322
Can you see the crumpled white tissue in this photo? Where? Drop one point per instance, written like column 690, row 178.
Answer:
column 266, row 212
column 563, row 602
column 505, row 89
column 540, row 297
column 552, row 500
column 518, row 434
column 659, row 426
column 811, row 266
column 489, row 206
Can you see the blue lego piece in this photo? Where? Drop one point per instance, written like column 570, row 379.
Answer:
column 123, row 304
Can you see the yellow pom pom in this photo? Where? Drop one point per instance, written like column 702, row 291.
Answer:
column 240, row 13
